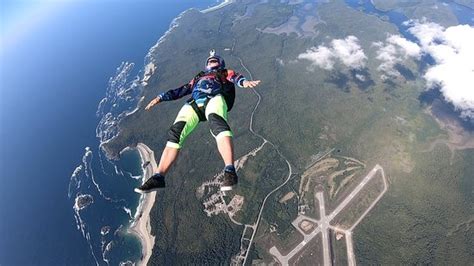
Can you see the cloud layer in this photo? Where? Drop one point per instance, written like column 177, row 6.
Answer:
column 393, row 52
column 452, row 50
column 346, row 51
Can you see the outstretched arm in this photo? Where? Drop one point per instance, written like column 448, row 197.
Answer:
column 153, row 102
column 240, row 80
column 177, row 93
column 171, row 95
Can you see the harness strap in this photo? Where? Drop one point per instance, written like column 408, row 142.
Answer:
column 220, row 76
column 200, row 110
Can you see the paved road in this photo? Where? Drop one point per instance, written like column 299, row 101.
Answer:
column 284, row 259
column 377, row 167
column 324, row 223
column 350, row 249
column 359, row 187
column 290, row 171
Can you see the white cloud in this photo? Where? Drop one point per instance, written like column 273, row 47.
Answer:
column 426, row 32
column 393, row 52
column 347, row 51
column 389, row 57
column 452, row 50
column 321, row 56
column 407, row 47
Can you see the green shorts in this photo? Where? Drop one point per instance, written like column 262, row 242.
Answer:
column 187, row 120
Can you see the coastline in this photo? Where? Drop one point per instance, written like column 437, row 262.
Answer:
column 148, row 70
column 141, row 224
column 221, row 5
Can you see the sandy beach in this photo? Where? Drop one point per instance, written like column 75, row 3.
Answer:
column 221, row 5
column 141, row 225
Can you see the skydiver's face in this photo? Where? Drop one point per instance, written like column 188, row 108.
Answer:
column 213, row 63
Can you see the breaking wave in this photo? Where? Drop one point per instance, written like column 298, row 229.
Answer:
column 121, row 99
column 105, row 203
column 100, row 190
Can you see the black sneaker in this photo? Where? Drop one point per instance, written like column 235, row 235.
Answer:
column 230, row 179
column 152, row 184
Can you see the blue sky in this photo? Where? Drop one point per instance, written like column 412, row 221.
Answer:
column 55, row 61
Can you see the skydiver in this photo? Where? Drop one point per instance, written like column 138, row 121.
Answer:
column 213, row 95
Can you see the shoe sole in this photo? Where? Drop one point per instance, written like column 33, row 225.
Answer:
column 146, row 191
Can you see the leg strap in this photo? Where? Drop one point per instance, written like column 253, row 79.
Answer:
column 200, row 111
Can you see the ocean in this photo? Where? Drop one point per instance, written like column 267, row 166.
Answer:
column 464, row 14
column 55, row 68
column 56, row 61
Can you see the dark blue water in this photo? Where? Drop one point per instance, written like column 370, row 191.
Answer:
column 104, row 222
column 393, row 17
column 53, row 72
column 464, row 14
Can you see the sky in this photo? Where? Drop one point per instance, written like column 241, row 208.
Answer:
column 56, row 58
column 54, row 71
